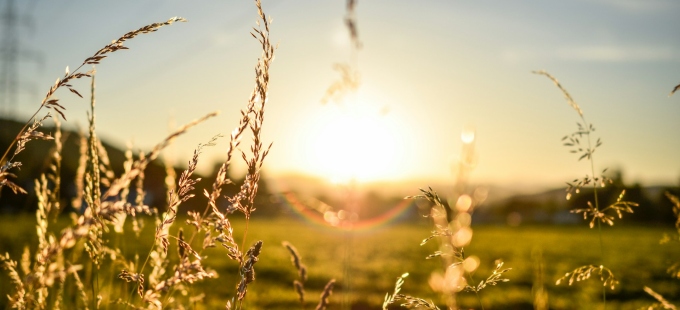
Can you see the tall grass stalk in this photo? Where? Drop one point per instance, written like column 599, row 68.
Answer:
column 298, row 284
column 584, row 128
column 28, row 132
column 674, row 269
column 93, row 190
column 595, row 212
column 107, row 206
column 49, row 263
column 452, row 229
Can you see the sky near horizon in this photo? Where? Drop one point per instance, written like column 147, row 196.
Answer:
column 429, row 70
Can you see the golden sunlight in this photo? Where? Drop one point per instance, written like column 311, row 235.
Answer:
column 355, row 143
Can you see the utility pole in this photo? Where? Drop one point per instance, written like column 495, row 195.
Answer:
column 11, row 52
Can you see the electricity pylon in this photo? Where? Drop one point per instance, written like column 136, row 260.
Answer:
column 11, row 52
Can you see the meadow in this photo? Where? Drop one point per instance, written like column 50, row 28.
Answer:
column 106, row 248
column 376, row 257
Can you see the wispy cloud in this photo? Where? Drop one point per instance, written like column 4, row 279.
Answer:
column 590, row 53
column 612, row 53
column 515, row 55
column 640, row 6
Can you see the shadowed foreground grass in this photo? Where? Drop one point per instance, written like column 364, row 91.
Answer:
column 377, row 257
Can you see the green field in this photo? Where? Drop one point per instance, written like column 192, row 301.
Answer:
column 367, row 263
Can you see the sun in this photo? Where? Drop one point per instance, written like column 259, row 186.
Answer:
column 355, row 143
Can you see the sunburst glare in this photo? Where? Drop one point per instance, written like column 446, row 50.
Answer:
column 356, row 143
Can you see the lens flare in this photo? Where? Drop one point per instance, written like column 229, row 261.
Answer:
column 454, row 279
column 463, row 219
column 462, row 237
column 471, row 263
column 468, row 135
column 319, row 214
column 464, row 203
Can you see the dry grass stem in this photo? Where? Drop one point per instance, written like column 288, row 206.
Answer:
column 617, row 207
column 495, row 278
column 566, row 94
column 73, row 270
column 580, row 142
column 247, row 269
column 185, row 186
column 411, row 302
column 107, row 205
column 349, row 82
column 76, row 203
column 300, row 291
column 141, row 164
column 585, row 272
column 453, row 232
column 28, row 133
column 295, row 258
column 674, row 269
column 676, row 209
column 662, row 302
column 19, row 299
column 674, row 90
column 389, row 299
column 324, row 299
column 351, row 23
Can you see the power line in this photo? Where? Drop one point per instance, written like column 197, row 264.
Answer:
column 11, row 52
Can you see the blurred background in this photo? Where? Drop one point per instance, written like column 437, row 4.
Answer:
column 425, row 75
column 440, row 93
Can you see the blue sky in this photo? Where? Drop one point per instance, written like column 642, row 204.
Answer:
column 428, row 70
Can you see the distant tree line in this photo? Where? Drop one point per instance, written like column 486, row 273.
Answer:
column 549, row 207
